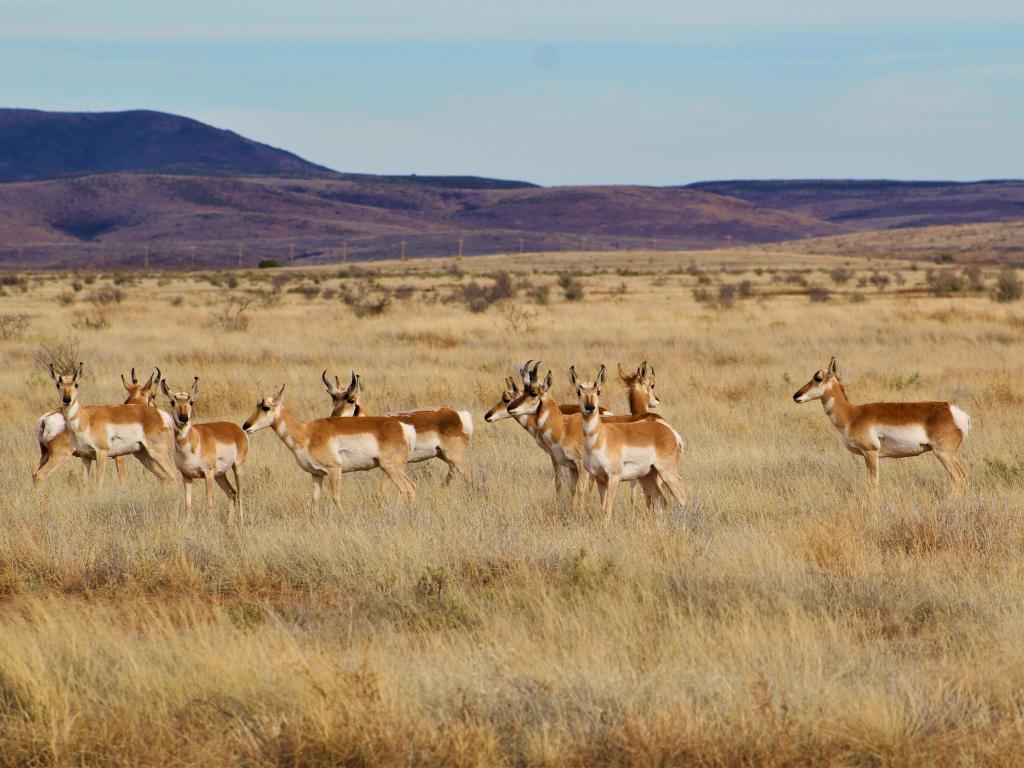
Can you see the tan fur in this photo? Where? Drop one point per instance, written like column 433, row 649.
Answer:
column 100, row 431
column 328, row 447
column 58, row 449
column 889, row 430
column 645, row 450
column 206, row 450
column 440, row 432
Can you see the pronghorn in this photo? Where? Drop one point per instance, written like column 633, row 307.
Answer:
column 328, row 447
column 441, row 433
column 99, row 431
column 890, row 430
column 206, row 450
column 561, row 433
column 645, row 450
column 640, row 388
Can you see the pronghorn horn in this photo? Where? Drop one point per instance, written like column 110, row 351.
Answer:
column 533, row 372
column 78, row 370
column 159, row 376
column 600, row 376
column 623, row 374
column 195, row 385
column 53, row 372
column 509, row 383
column 280, row 392
column 572, row 375
column 354, row 382
column 524, row 372
column 125, row 384
column 149, row 381
column 134, row 380
column 331, row 388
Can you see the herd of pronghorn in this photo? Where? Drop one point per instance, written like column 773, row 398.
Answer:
column 583, row 438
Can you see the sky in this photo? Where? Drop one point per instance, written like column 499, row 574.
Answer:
column 559, row 92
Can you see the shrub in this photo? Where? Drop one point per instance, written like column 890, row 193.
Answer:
column 105, row 296
column 841, row 276
column 879, row 280
column 12, row 326
column 96, row 320
column 745, row 288
column 476, row 297
column 818, row 294
column 539, row 294
column 66, row 298
column 233, row 315
column 64, row 354
column 702, row 295
column 943, row 282
column 572, row 286
column 726, row 296
column 1008, row 286
column 974, row 279
column 269, row 264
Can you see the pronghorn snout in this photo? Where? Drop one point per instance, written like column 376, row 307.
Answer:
column 796, row 397
column 247, row 427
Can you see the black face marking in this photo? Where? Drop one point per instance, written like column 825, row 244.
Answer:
column 817, row 377
column 264, row 407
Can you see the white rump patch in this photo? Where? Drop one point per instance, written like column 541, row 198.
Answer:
column 467, row 422
column 961, row 419
column 49, row 426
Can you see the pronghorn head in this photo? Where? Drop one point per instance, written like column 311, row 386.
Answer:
column 528, row 402
column 266, row 413
column 67, row 386
column 500, row 409
column 641, row 384
column 346, row 401
column 181, row 403
column 142, row 394
column 588, row 392
column 820, row 384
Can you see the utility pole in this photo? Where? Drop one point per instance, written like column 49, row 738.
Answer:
column 344, row 250
column 239, row 255
column 145, row 259
column 402, row 257
column 460, row 247
column 103, row 256
column 520, row 246
column 654, row 243
column 291, row 254
column 192, row 258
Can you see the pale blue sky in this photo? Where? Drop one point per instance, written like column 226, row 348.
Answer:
column 652, row 91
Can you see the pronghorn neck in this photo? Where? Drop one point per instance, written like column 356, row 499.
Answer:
column 291, row 430
column 593, row 428
column 549, row 417
column 72, row 415
column 637, row 401
column 837, row 407
column 183, row 435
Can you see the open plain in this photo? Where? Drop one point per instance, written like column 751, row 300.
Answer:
column 783, row 617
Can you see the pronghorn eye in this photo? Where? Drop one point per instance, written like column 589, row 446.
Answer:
column 817, row 377
column 265, row 407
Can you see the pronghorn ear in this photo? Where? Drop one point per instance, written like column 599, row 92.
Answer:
column 623, row 375
column 833, row 369
column 195, row 385
column 78, row 372
column 547, row 382
column 533, row 372
column 125, row 384
column 164, row 389
column 53, row 372
column 652, row 373
column 643, row 370
column 279, row 395
column 357, row 382
column 149, row 382
column 600, row 376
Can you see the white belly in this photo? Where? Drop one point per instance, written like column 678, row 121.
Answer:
column 895, row 442
column 354, row 453
column 637, row 462
column 426, row 446
column 124, row 438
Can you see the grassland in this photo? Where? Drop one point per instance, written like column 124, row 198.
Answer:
column 781, row 618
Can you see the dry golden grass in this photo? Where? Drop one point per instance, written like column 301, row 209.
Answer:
column 782, row 618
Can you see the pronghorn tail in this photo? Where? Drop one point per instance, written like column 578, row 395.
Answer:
column 961, row 419
column 410, row 434
column 467, row 423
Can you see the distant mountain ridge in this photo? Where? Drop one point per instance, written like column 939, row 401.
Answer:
column 71, row 183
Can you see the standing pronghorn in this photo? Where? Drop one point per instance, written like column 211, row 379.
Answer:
column 99, row 431
column 890, row 430
column 441, row 433
column 328, row 447
column 640, row 389
column 206, row 450
column 561, row 433
column 646, row 450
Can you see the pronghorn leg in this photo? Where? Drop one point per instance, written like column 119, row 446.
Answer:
column 231, row 493
column 238, row 492
column 86, row 469
column 49, row 460
column 871, row 461
column 675, row 486
column 952, row 466
column 576, row 487
column 121, row 470
column 147, row 460
column 334, row 475
column 609, row 496
column 455, row 457
column 187, row 483
column 558, row 474
column 397, row 475
column 101, row 465
column 652, row 493
column 208, row 483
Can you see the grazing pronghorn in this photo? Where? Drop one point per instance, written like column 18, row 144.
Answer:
column 441, row 433
column 328, row 447
column 644, row 450
column 890, row 430
column 206, row 450
column 561, row 433
column 99, row 431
